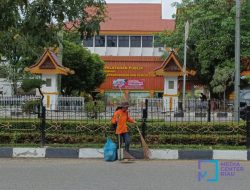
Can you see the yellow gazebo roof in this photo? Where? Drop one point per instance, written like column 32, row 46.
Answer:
column 172, row 67
column 245, row 73
column 49, row 64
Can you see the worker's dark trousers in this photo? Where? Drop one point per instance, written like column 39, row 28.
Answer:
column 124, row 137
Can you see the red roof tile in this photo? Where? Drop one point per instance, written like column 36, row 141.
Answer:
column 132, row 18
column 132, row 58
column 136, row 17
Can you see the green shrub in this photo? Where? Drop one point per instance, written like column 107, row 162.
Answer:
column 95, row 106
column 76, row 132
column 31, row 106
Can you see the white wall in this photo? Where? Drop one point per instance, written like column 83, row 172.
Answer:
column 50, row 100
column 5, row 87
column 166, row 87
column 170, row 98
column 126, row 51
column 53, row 87
column 123, row 51
column 112, row 51
column 147, row 51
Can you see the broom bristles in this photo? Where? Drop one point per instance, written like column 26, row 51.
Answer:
column 146, row 151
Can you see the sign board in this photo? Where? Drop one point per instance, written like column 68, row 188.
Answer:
column 128, row 84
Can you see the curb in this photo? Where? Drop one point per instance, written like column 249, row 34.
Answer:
column 195, row 154
column 163, row 154
column 62, row 153
column 230, row 154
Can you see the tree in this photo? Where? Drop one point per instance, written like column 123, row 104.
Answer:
column 245, row 32
column 222, row 79
column 89, row 69
column 211, row 36
column 30, row 84
column 26, row 27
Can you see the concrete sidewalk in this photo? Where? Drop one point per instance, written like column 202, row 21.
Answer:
column 163, row 154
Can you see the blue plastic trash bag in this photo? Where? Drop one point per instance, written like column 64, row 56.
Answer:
column 109, row 150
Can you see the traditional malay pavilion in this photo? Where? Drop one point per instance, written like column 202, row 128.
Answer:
column 171, row 70
column 50, row 69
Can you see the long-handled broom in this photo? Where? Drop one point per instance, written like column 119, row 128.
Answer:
column 146, row 151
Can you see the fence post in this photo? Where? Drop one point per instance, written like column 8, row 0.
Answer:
column 144, row 118
column 209, row 111
column 42, row 126
column 248, row 127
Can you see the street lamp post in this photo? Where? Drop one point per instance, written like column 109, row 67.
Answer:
column 184, row 65
column 237, row 62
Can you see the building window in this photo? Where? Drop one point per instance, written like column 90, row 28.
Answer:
column 170, row 84
column 100, row 41
column 135, row 41
column 147, row 41
column 157, row 42
column 88, row 42
column 112, row 41
column 123, row 41
column 48, row 82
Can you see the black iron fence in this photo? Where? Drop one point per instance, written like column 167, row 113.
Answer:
column 74, row 108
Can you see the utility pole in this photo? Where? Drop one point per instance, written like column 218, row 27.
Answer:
column 60, row 57
column 237, row 62
column 184, row 65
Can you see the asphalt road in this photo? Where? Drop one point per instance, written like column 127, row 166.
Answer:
column 80, row 174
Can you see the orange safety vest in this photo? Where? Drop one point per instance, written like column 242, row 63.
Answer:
column 121, row 117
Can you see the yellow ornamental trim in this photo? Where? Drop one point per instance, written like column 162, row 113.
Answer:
column 128, row 32
column 170, row 95
column 51, row 93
